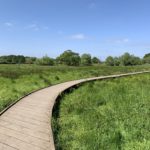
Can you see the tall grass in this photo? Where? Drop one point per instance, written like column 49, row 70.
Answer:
column 105, row 115
column 18, row 80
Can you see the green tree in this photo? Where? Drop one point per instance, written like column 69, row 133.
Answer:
column 146, row 59
column 86, row 59
column 95, row 60
column 20, row 59
column 116, row 61
column 129, row 60
column 69, row 58
column 2, row 60
column 135, row 60
column 147, row 55
column 109, row 61
column 45, row 61
column 30, row 60
column 125, row 59
column 12, row 59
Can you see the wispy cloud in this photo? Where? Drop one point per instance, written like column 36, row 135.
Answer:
column 125, row 40
column 36, row 27
column 33, row 26
column 8, row 24
column 119, row 41
column 79, row 36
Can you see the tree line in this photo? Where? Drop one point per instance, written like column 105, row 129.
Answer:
column 127, row 60
column 16, row 59
column 71, row 58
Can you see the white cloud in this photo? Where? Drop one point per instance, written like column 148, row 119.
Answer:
column 34, row 27
column 8, row 24
column 119, row 41
column 125, row 40
column 79, row 36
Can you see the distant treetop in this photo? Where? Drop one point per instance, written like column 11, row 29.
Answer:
column 71, row 58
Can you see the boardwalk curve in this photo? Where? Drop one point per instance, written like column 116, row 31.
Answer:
column 26, row 125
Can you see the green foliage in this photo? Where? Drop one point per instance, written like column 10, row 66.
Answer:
column 30, row 60
column 95, row 60
column 86, row 60
column 147, row 55
column 17, row 59
column 129, row 60
column 18, row 80
column 110, row 61
column 135, row 60
column 105, row 115
column 146, row 59
column 69, row 58
column 116, row 61
column 45, row 61
column 12, row 59
column 125, row 60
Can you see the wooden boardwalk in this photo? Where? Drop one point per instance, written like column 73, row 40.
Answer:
column 27, row 124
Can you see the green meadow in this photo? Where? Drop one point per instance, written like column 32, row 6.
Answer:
column 19, row 80
column 111, row 114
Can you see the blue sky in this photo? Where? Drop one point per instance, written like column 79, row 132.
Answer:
column 99, row 27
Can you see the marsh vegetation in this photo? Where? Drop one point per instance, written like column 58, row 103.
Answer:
column 19, row 80
column 106, row 115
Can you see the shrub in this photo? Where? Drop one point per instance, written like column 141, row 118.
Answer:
column 86, row 59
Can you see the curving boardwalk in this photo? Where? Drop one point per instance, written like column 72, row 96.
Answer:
column 26, row 125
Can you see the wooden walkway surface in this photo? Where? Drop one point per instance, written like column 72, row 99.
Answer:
column 27, row 124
